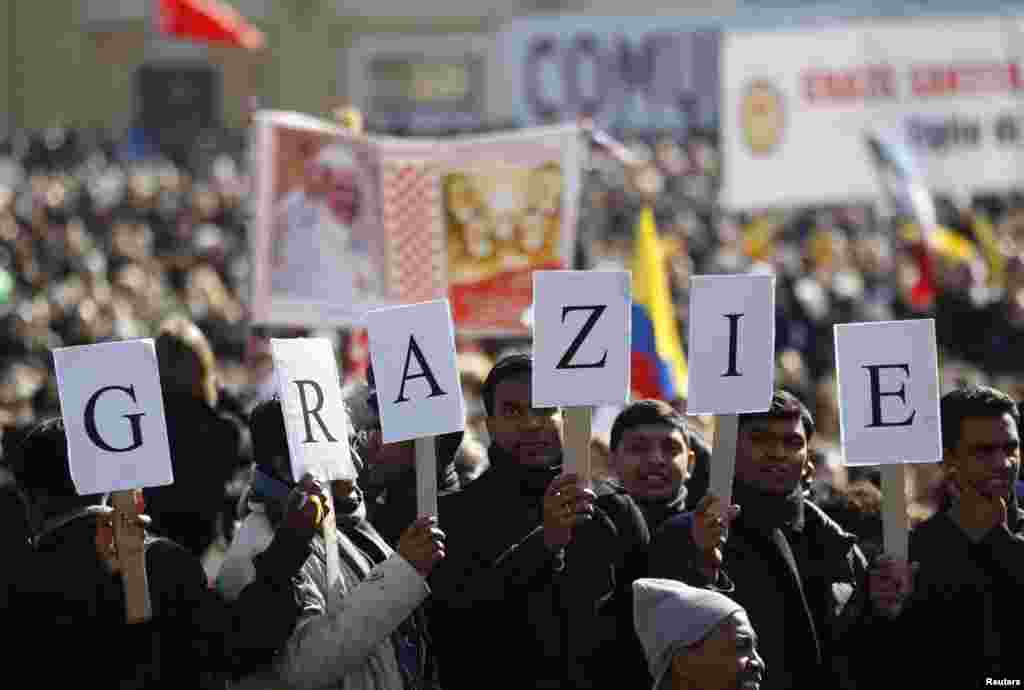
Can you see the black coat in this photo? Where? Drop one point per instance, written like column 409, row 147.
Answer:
column 504, row 604
column 391, row 503
column 206, row 450
column 69, row 612
column 807, row 603
column 966, row 602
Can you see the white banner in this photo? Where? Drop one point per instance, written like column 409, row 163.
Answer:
column 799, row 105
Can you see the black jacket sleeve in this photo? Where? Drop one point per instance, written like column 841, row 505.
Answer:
column 468, row 577
column 673, row 556
column 231, row 637
column 1001, row 553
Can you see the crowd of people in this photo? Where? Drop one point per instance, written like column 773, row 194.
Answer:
column 527, row 576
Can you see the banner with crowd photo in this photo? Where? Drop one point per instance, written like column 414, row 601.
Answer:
column 629, row 73
column 800, row 109
column 511, row 204
column 347, row 224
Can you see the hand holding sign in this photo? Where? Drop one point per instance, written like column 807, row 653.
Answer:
column 113, row 412
column 315, row 421
column 732, row 360
column 581, row 346
column 412, row 349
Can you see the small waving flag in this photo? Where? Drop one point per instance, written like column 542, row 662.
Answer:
column 659, row 367
column 207, row 21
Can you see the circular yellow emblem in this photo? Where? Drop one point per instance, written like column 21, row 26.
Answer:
column 762, row 117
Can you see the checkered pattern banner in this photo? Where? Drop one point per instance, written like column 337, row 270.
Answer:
column 414, row 229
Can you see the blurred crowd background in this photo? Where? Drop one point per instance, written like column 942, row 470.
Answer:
column 102, row 238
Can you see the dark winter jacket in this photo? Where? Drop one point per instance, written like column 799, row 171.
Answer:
column 206, row 450
column 503, row 603
column 966, row 602
column 802, row 582
column 391, row 502
column 71, row 612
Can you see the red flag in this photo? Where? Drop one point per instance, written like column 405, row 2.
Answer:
column 207, row 21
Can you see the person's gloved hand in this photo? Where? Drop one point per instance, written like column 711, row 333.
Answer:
column 306, row 507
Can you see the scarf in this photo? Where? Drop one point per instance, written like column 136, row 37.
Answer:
column 764, row 511
column 657, row 512
column 532, row 480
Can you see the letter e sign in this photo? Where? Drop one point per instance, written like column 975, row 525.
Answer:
column 888, row 392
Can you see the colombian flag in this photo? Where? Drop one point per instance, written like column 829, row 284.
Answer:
column 658, row 362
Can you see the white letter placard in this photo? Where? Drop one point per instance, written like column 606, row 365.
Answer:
column 731, row 344
column 581, row 338
column 314, row 412
column 412, row 349
column 113, row 412
column 888, row 379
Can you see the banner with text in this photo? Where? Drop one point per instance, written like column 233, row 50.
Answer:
column 628, row 73
column 947, row 88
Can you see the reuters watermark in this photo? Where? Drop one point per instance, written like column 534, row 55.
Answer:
column 1002, row 683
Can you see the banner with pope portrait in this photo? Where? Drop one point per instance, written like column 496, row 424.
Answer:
column 346, row 224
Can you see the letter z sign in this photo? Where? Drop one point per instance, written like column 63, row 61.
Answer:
column 888, row 392
column 581, row 339
column 113, row 412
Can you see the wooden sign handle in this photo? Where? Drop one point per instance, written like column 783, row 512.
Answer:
column 577, row 441
column 130, row 539
column 723, row 457
column 894, row 511
column 426, row 476
column 329, row 528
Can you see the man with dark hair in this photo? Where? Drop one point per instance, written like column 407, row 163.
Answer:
column 971, row 552
column 802, row 579
column 537, row 562
column 71, row 594
column 652, row 459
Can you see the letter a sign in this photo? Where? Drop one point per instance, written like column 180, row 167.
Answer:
column 732, row 344
column 314, row 412
column 888, row 392
column 113, row 411
column 412, row 349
